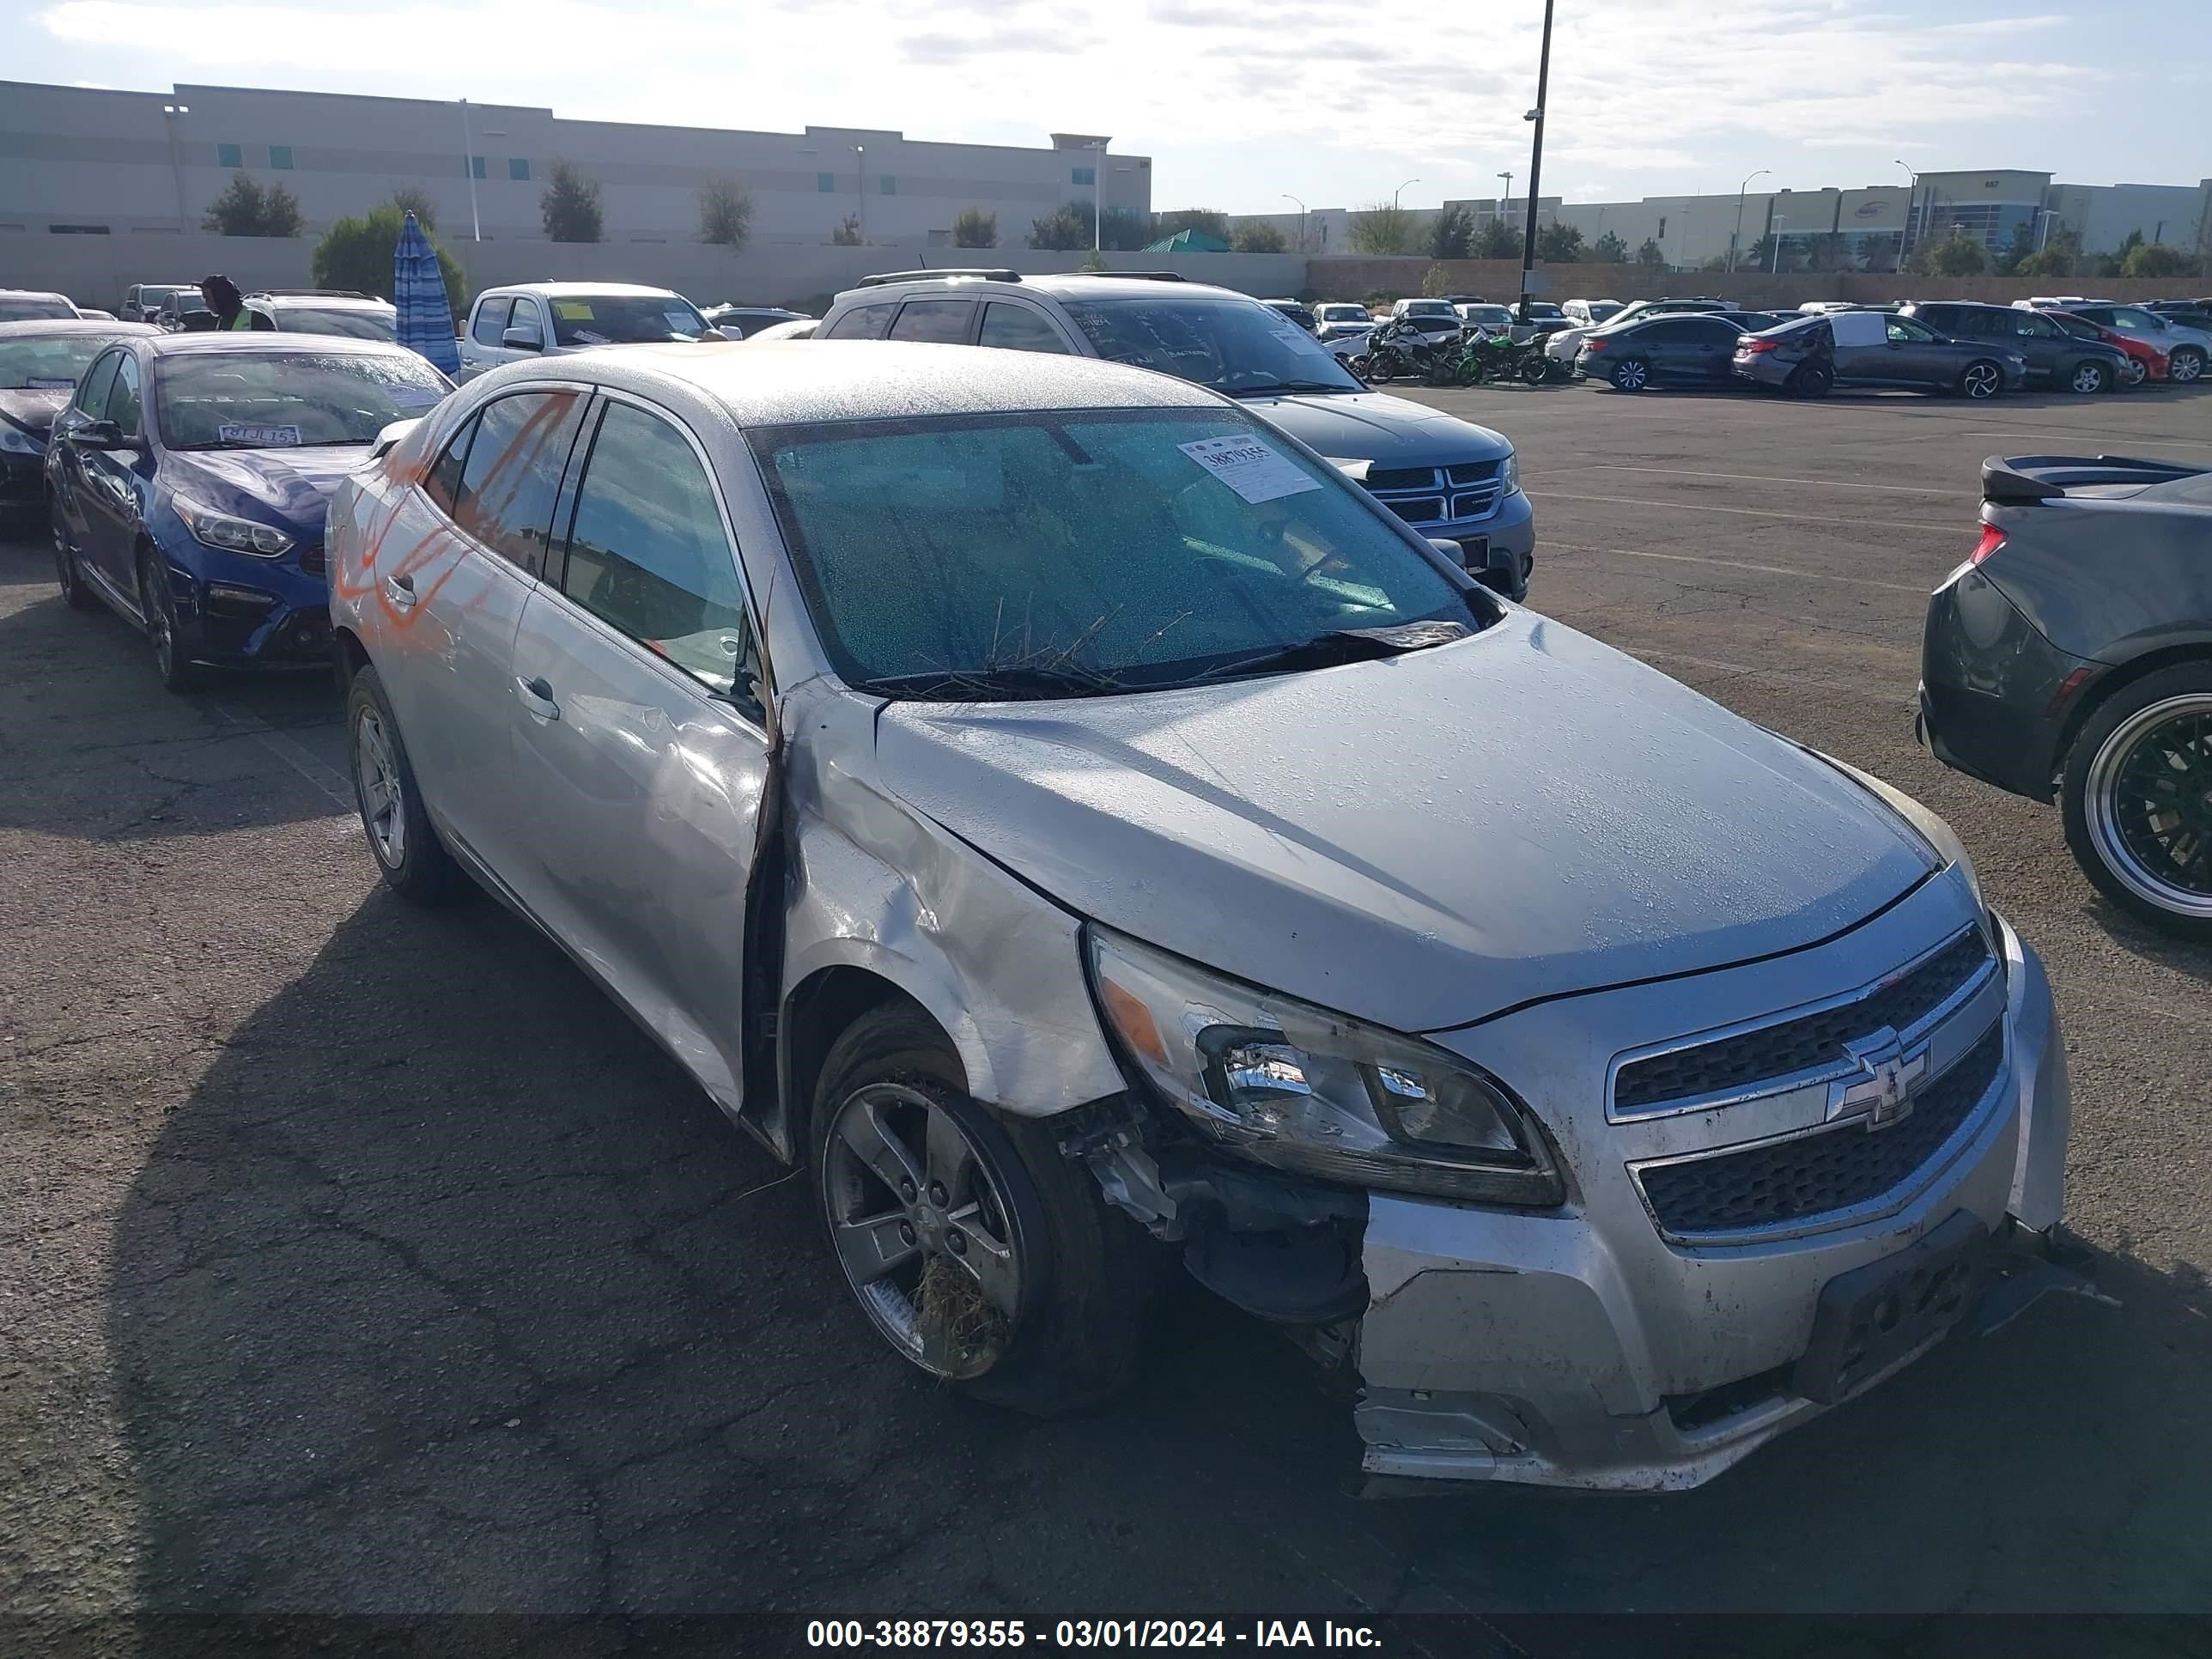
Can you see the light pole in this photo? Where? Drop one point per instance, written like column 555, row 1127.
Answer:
column 1776, row 270
column 1394, row 194
column 1737, row 236
column 861, row 190
column 2042, row 219
column 1535, row 159
column 1505, row 202
column 469, row 167
column 171, row 115
column 1287, row 196
column 1098, row 195
column 1912, row 201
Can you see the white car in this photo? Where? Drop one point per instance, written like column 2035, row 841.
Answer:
column 1588, row 313
column 533, row 319
column 1429, row 316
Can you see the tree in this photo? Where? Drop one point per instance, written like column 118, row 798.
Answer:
column 726, row 213
column 1828, row 250
column 1214, row 223
column 356, row 254
column 2156, row 259
column 847, row 233
column 1559, row 244
column 1878, row 250
column 1609, row 249
column 1649, row 255
column 2059, row 256
column 568, row 206
column 1436, row 282
column 244, row 209
column 974, row 227
column 2022, row 244
column 1125, row 229
column 1386, row 227
column 1495, row 239
column 1067, row 230
column 1451, row 233
column 415, row 199
column 1258, row 236
column 1957, row 254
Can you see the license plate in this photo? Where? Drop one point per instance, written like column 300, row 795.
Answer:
column 1474, row 552
column 1873, row 1316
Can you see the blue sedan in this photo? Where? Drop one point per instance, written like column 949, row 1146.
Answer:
column 188, row 478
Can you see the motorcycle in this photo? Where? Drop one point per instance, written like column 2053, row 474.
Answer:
column 1398, row 349
column 1485, row 355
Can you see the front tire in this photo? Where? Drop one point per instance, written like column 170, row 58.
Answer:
column 410, row 858
column 1980, row 380
column 1631, row 374
column 2134, row 372
column 979, row 1253
column 2137, row 798
column 2087, row 378
column 2185, row 367
column 157, row 598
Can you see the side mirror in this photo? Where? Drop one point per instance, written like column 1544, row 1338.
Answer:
column 522, row 339
column 713, row 333
column 97, row 434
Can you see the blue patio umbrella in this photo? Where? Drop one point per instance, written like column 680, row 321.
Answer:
column 418, row 292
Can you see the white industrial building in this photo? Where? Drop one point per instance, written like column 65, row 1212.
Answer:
column 93, row 163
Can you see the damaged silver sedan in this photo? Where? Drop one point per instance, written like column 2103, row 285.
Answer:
column 1089, row 834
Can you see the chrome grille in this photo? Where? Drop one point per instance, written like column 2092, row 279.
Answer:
column 1838, row 1168
column 1807, row 1043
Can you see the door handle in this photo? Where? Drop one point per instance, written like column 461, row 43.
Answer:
column 537, row 698
column 400, row 590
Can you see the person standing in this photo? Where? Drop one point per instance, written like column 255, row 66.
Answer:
column 226, row 309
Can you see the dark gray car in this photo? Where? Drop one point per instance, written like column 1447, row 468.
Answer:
column 1806, row 359
column 2055, row 357
column 1681, row 349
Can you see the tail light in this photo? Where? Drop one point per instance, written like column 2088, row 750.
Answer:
column 1992, row 539
column 1752, row 348
column 1592, row 345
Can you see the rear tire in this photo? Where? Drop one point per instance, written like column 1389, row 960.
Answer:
column 2137, row 798
column 409, row 855
column 1809, row 380
column 1980, row 380
column 77, row 592
column 2087, row 378
column 1631, row 374
column 2185, row 367
column 1533, row 371
column 1058, row 1322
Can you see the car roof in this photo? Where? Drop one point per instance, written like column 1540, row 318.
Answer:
column 580, row 290
column 1060, row 285
column 66, row 326
column 260, row 343
column 782, row 382
column 36, row 294
column 322, row 302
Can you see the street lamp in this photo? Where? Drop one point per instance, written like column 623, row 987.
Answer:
column 2042, row 219
column 1776, row 267
column 861, row 190
column 1737, row 236
column 1505, row 202
column 171, row 113
column 469, row 167
column 1911, row 203
column 1535, row 118
column 1394, row 194
column 1287, row 196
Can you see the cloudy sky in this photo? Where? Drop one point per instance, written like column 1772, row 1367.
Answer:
column 1242, row 103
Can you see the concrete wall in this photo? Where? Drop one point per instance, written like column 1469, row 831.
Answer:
column 96, row 270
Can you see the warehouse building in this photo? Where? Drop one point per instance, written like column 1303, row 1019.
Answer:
column 76, row 160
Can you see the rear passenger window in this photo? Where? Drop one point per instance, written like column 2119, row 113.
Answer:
column 513, row 473
column 944, row 321
column 861, row 323
column 1017, row 328
column 647, row 554
column 491, row 321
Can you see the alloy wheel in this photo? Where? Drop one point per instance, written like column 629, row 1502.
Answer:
column 2088, row 377
column 2149, row 805
column 922, row 1229
column 2187, row 367
column 383, row 798
column 160, row 625
column 1981, row 380
column 2136, row 372
column 1632, row 376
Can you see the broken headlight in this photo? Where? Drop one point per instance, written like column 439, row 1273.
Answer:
column 1289, row 1085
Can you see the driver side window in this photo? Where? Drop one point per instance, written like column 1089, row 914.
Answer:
column 92, row 396
column 1901, row 328
column 123, row 401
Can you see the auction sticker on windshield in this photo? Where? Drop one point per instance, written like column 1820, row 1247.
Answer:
column 572, row 311
column 258, row 437
column 1250, row 468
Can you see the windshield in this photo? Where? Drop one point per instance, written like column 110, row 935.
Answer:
column 1600, row 310
column 1489, row 316
column 625, row 319
column 290, row 399
column 52, row 364
column 953, row 558
column 352, row 325
column 21, row 309
column 1230, row 345
column 1342, row 313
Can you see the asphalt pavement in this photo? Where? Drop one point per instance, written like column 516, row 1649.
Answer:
column 358, row 1259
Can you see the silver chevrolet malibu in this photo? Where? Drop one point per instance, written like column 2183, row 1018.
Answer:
column 1090, row 833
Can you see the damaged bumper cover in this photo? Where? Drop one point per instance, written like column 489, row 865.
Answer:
column 1523, row 1347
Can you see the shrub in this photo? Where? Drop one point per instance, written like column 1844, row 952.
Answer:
column 726, row 213
column 245, row 209
column 1386, row 227
column 1497, row 240
column 847, row 233
column 1258, row 236
column 1609, row 249
column 356, row 253
column 568, row 206
column 974, row 227
column 1451, row 233
column 1559, row 244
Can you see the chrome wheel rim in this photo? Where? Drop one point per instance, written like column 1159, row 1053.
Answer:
column 159, row 628
column 2135, row 371
column 383, row 802
column 1981, row 382
column 921, row 1230
column 2150, row 804
column 2089, row 377
column 2186, row 367
column 1630, row 377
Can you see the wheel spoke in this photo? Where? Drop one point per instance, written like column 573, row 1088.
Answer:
column 949, row 1156
column 871, row 1248
column 872, row 1140
column 987, row 1259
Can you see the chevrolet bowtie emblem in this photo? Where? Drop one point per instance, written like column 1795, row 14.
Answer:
column 1882, row 1088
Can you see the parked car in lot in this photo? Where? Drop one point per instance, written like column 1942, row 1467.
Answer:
column 1341, row 314
column 911, row 739
column 2071, row 657
column 24, row 305
column 2055, row 357
column 187, row 479
column 1874, row 349
column 798, row 328
column 1563, row 345
column 1589, row 314
column 2186, row 350
column 1484, row 315
column 143, row 301
column 2141, row 360
column 356, row 316
column 528, row 320
column 1296, row 312
column 1679, row 350
column 746, row 322
column 40, row 364
column 1448, row 479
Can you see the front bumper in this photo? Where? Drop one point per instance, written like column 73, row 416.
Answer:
column 234, row 610
column 1525, row 1348
column 1499, row 549
column 22, row 479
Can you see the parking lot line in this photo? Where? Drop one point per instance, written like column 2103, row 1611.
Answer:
column 1741, row 564
column 290, row 752
column 1752, row 512
column 1768, row 478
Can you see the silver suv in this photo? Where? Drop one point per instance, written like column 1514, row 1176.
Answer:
column 1449, row 479
column 1071, row 820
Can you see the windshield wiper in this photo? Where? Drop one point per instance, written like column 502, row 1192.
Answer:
column 1289, row 385
column 1343, row 645
column 1008, row 684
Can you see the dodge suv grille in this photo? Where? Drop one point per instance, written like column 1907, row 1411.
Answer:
column 1430, row 495
column 1812, row 1040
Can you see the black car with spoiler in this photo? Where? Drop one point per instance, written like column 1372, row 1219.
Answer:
column 2071, row 657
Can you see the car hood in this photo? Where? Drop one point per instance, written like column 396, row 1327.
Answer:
column 33, row 411
column 287, row 487
column 1421, row 841
column 1373, row 426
